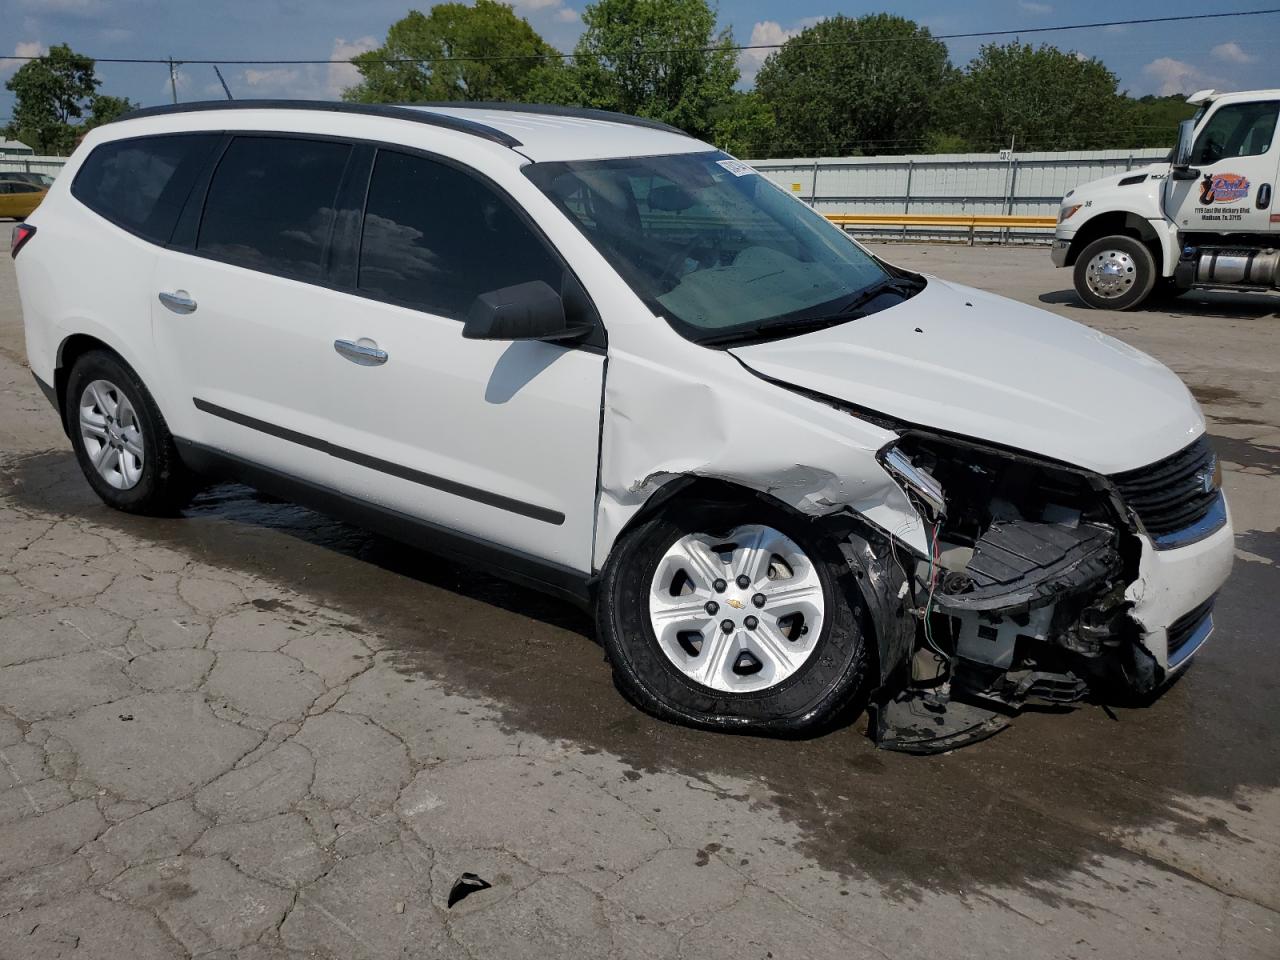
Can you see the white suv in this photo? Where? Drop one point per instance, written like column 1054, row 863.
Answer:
column 610, row 361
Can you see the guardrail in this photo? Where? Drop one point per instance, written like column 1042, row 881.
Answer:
column 970, row 223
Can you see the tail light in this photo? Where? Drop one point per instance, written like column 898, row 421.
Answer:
column 22, row 232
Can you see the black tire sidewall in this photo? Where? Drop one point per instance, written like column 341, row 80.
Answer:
column 1144, row 263
column 828, row 680
column 157, row 491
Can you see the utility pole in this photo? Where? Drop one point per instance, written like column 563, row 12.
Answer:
column 173, row 78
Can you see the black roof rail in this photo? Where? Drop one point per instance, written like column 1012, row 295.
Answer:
column 395, row 112
column 554, row 110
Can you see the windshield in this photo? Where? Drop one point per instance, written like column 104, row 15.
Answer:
column 711, row 245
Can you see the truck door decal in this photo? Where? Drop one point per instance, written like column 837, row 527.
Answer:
column 1223, row 187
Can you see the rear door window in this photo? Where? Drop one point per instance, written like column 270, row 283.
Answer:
column 270, row 206
column 436, row 237
column 141, row 184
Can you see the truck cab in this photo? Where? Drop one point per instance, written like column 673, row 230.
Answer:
column 1204, row 219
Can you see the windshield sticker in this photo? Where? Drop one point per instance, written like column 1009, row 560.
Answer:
column 736, row 167
column 1223, row 187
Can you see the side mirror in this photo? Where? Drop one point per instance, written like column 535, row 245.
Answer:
column 526, row 311
column 1182, row 152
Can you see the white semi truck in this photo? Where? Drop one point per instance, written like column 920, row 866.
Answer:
column 1203, row 220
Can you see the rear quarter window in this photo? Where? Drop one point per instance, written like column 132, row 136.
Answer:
column 141, row 183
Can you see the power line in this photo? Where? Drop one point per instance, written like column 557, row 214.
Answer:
column 557, row 55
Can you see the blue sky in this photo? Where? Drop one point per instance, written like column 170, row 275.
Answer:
column 1167, row 58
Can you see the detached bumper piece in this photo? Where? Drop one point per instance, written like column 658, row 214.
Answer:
column 923, row 723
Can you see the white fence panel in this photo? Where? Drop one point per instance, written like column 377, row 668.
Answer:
column 1024, row 184
column 19, row 163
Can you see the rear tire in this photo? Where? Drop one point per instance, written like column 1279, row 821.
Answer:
column 121, row 440
column 774, row 675
column 1115, row 273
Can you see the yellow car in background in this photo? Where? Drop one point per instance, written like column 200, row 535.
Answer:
column 19, row 196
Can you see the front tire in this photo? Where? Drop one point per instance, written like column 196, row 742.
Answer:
column 1115, row 273
column 121, row 441
column 734, row 617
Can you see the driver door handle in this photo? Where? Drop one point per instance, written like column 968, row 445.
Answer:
column 364, row 352
column 179, row 301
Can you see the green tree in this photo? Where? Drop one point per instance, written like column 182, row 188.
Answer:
column 486, row 30
column 1151, row 121
column 1044, row 98
column 743, row 125
column 49, row 95
column 865, row 85
column 104, row 108
column 623, row 61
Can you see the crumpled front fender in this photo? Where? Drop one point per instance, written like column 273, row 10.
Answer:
column 725, row 423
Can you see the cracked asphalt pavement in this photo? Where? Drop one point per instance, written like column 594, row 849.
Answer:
column 254, row 732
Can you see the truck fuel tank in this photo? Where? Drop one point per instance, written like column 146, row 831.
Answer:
column 1228, row 267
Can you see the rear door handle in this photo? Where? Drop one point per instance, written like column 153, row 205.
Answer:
column 1264, row 196
column 179, row 301
column 363, row 351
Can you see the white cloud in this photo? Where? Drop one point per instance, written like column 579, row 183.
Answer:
column 1232, row 52
column 1039, row 9
column 115, row 35
column 303, row 81
column 555, row 8
column 27, row 48
column 766, row 32
column 272, row 79
column 1171, row 77
column 343, row 75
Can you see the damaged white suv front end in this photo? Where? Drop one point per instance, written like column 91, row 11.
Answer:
column 1075, row 529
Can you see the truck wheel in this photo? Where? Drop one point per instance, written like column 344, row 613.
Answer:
column 734, row 618
column 1115, row 273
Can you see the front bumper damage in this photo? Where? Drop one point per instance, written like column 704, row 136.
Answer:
column 1045, row 592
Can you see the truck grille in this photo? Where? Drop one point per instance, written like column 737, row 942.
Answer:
column 1185, row 627
column 1174, row 493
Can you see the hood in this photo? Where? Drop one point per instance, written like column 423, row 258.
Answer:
column 1132, row 178
column 968, row 362
column 1138, row 191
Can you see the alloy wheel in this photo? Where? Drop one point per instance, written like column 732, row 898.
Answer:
column 1111, row 274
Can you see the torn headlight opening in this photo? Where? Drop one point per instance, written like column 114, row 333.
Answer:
column 1026, row 585
column 915, row 480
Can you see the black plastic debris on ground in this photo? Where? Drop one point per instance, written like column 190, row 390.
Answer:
column 915, row 722
column 466, row 885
